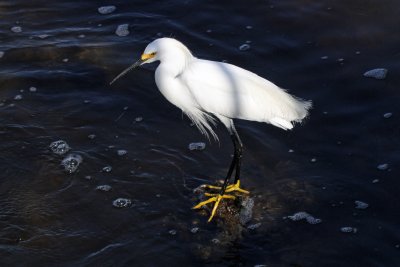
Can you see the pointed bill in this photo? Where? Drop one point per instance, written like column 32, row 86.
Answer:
column 134, row 65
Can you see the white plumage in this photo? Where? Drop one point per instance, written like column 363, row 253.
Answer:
column 201, row 88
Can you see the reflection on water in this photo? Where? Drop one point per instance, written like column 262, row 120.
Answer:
column 340, row 166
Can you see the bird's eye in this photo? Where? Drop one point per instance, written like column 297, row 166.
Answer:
column 153, row 54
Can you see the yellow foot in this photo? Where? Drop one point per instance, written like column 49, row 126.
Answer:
column 217, row 198
column 229, row 188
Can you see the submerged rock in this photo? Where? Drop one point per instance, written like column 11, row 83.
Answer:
column 379, row 73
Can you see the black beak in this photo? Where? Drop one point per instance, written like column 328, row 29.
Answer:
column 134, row 65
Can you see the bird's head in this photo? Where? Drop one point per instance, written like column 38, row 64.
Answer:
column 159, row 49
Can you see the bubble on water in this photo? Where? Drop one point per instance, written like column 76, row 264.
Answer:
column 348, row 229
column 197, row 146
column 358, row 52
column 106, row 9
column 1, row 54
column 383, row 167
column 254, row 226
column 59, row 147
column 290, row 150
column 122, row 202
column 260, row 265
column 107, row 169
column 32, row 89
column 16, row 29
column 246, row 211
column 92, row 136
column 172, row 232
column 88, row 177
column 18, row 97
column 65, row 60
column 360, row 204
column 387, row 115
column 302, row 215
column 324, row 57
column 248, row 27
column 379, row 73
column 138, row 119
column 313, row 160
column 244, row 47
column 71, row 162
column 375, row 181
column 86, row 101
column 194, row 230
column 121, row 152
column 122, row 30
column 340, row 60
column 81, row 36
column 104, row 188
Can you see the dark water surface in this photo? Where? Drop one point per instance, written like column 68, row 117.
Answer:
column 317, row 49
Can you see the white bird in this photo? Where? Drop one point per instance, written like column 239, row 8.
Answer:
column 205, row 90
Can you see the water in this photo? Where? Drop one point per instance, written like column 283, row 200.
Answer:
column 318, row 50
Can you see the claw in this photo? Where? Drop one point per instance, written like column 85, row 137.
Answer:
column 217, row 199
column 229, row 188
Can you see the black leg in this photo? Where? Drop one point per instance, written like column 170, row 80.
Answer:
column 231, row 167
column 238, row 151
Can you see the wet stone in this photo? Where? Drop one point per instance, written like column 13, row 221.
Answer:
column 197, row 146
column 16, row 29
column 172, row 232
column 107, row 169
column 71, row 163
column 59, row 147
column 348, row 229
column 379, row 73
column 244, row 47
column 122, row 152
column 302, row 215
column 122, row 30
column 383, row 167
column 122, row 203
column 246, row 212
column 360, row 205
column 194, row 230
column 104, row 188
column 253, row 226
column 387, row 115
column 104, row 10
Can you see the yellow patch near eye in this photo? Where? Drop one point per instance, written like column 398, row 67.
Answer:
column 147, row 56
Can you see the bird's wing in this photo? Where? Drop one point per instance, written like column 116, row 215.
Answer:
column 227, row 90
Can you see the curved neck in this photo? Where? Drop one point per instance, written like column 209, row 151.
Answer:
column 177, row 59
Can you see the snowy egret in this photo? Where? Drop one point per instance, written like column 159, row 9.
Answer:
column 205, row 90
